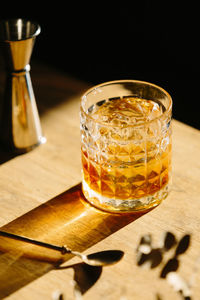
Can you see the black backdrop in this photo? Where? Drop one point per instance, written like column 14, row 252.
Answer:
column 156, row 41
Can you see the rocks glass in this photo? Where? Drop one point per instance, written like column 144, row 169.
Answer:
column 126, row 145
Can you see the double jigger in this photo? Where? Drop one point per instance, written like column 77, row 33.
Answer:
column 20, row 128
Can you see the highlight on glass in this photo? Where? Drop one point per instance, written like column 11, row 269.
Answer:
column 126, row 145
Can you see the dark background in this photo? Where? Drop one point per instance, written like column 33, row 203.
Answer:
column 155, row 41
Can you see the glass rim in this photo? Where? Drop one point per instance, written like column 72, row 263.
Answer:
column 166, row 112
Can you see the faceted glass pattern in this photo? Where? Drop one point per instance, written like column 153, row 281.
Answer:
column 126, row 164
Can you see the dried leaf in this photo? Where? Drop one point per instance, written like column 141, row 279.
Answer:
column 179, row 285
column 183, row 245
column 171, row 266
column 155, row 257
column 142, row 258
column 169, row 241
column 145, row 240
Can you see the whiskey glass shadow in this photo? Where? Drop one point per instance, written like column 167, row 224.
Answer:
column 68, row 219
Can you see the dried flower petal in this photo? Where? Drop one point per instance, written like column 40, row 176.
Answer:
column 183, row 244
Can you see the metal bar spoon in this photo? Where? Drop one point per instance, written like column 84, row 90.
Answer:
column 102, row 258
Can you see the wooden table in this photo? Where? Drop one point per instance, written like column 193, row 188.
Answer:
column 40, row 197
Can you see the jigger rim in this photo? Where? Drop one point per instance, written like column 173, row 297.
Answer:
column 6, row 35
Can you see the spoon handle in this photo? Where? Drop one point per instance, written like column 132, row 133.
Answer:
column 62, row 249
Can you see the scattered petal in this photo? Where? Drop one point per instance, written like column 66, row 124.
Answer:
column 144, row 248
column 151, row 260
column 155, row 257
column 142, row 259
column 183, row 245
column 169, row 241
column 170, row 266
column 178, row 284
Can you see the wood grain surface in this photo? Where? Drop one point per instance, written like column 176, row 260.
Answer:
column 40, row 197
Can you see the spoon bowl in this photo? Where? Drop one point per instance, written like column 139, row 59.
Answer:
column 102, row 258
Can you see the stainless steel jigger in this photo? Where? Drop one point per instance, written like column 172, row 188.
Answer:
column 20, row 129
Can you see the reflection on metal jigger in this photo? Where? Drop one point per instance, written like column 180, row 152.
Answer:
column 20, row 129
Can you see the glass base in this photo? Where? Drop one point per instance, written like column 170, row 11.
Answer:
column 121, row 205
